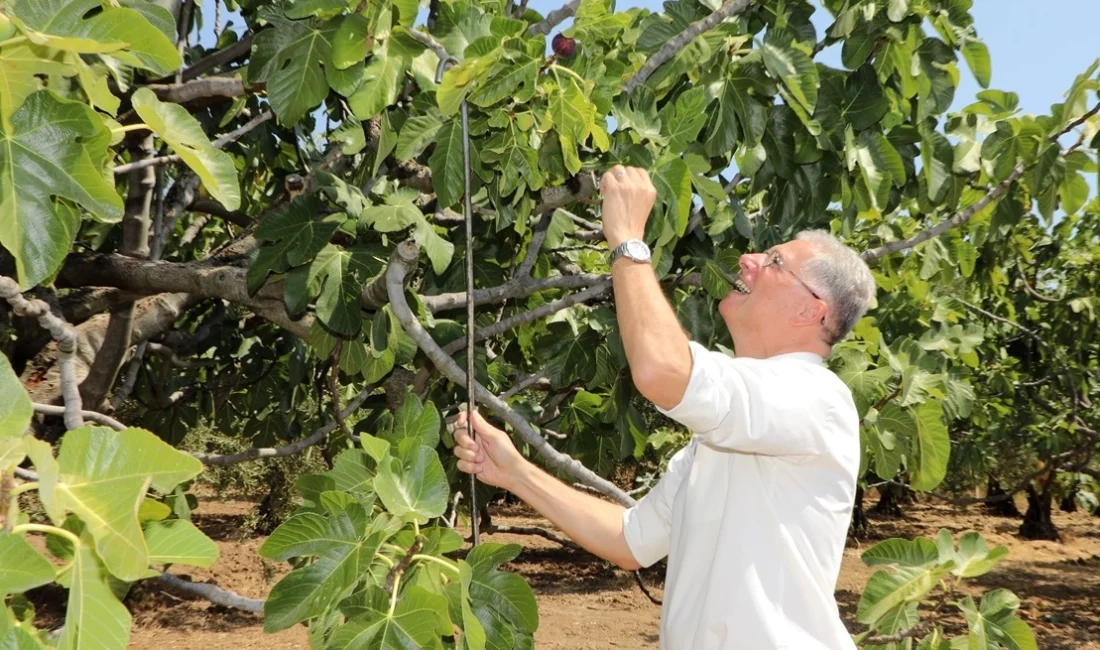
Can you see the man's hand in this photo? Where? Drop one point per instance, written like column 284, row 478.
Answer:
column 491, row 456
column 628, row 197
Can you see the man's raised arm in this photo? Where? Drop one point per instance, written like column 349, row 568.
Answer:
column 655, row 343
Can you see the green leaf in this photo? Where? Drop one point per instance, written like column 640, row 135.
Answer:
column 20, row 67
column 94, row 619
column 415, row 486
column 415, row 421
column 512, row 78
column 175, row 125
column 16, row 409
column 977, row 57
column 102, row 476
column 290, row 57
column 881, row 165
column 994, row 625
column 595, row 21
column 673, row 183
column 685, row 118
column 354, row 470
column 896, row 10
column 886, row 591
column 937, row 159
column 351, row 134
column 23, row 568
column 446, row 162
column 1074, row 193
column 337, row 277
column 90, row 27
column 473, row 632
column 299, row 231
column 931, row 447
column 321, row 8
column 381, row 81
column 177, row 541
column 416, row 134
column 864, row 104
column 54, row 150
column 916, row 553
column 506, row 594
column 418, row 621
column 974, row 558
column 796, row 70
column 310, row 534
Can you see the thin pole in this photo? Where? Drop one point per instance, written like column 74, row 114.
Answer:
column 470, row 329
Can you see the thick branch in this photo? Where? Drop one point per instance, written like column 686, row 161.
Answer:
column 959, row 218
column 553, row 19
column 94, row 416
column 534, row 530
column 408, row 253
column 681, row 40
column 210, row 206
column 66, row 339
column 213, row 593
column 518, row 288
column 965, row 215
column 209, row 88
column 427, row 41
column 223, row 56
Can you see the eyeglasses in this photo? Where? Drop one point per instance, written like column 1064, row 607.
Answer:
column 772, row 258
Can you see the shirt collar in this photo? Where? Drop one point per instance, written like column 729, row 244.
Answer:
column 808, row 357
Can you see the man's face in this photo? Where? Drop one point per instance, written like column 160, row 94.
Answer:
column 775, row 298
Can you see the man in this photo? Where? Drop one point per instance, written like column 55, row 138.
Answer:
column 754, row 512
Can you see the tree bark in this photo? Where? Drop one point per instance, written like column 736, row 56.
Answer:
column 889, row 503
column 135, row 243
column 859, row 525
column 1037, row 521
column 1004, row 506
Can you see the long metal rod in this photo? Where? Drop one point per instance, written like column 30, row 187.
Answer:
column 470, row 349
column 468, row 208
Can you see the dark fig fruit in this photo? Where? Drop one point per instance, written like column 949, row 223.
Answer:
column 563, row 46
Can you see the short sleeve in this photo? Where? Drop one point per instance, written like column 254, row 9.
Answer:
column 774, row 407
column 647, row 525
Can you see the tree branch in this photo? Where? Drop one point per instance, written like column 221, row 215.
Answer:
column 232, row 136
column 553, row 19
column 209, row 88
column 213, row 593
column 517, row 288
column 534, row 530
column 66, row 339
column 407, row 253
column 210, row 206
column 427, row 41
column 223, row 56
column 962, row 216
column 94, row 416
column 911, row 633
column 681, row 40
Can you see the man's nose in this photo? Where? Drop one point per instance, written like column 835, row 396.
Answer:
column 750, row 262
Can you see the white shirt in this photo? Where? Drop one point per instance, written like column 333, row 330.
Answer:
column 753, row 513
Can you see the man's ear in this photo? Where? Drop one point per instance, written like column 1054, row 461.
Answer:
column 812, row 312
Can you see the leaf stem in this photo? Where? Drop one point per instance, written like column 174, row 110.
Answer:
column 395, row 548
column 132, row 127
column 393, row 595
column 14, row 40
column 24, row 487
column 51, row 530
column 384, row 559
column 579, row 78
column 443, row 562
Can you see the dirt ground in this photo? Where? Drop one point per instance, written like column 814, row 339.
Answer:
column 585, row 604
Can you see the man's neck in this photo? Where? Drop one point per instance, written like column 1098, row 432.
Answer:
column 767, row 349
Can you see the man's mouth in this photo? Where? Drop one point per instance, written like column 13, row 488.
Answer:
column 740, row 286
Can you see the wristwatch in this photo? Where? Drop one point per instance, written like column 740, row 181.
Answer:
column 634, row 249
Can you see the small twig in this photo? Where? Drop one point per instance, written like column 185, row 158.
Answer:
column 66, row 338
column 401, row 566
column 218, row 144
column 681, row 40
column 334, row 387
column 524, row 383
column 911, row 633
column 429, row 42
column 641, row 585
column 1031, row 290
column 536, row 531
column 221, row 57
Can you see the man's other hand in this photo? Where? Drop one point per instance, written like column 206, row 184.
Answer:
column 490, row 455
column 628, row 197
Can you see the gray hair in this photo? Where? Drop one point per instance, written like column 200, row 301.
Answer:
column 843, row 277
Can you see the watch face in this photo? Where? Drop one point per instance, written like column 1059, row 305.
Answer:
column 637, row 250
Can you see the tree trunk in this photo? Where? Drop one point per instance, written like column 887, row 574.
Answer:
column 1003, row 507
column 859, row 525
column 1037, row 522
column 889, row 503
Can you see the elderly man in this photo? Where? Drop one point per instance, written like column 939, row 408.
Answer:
column 753, row 513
